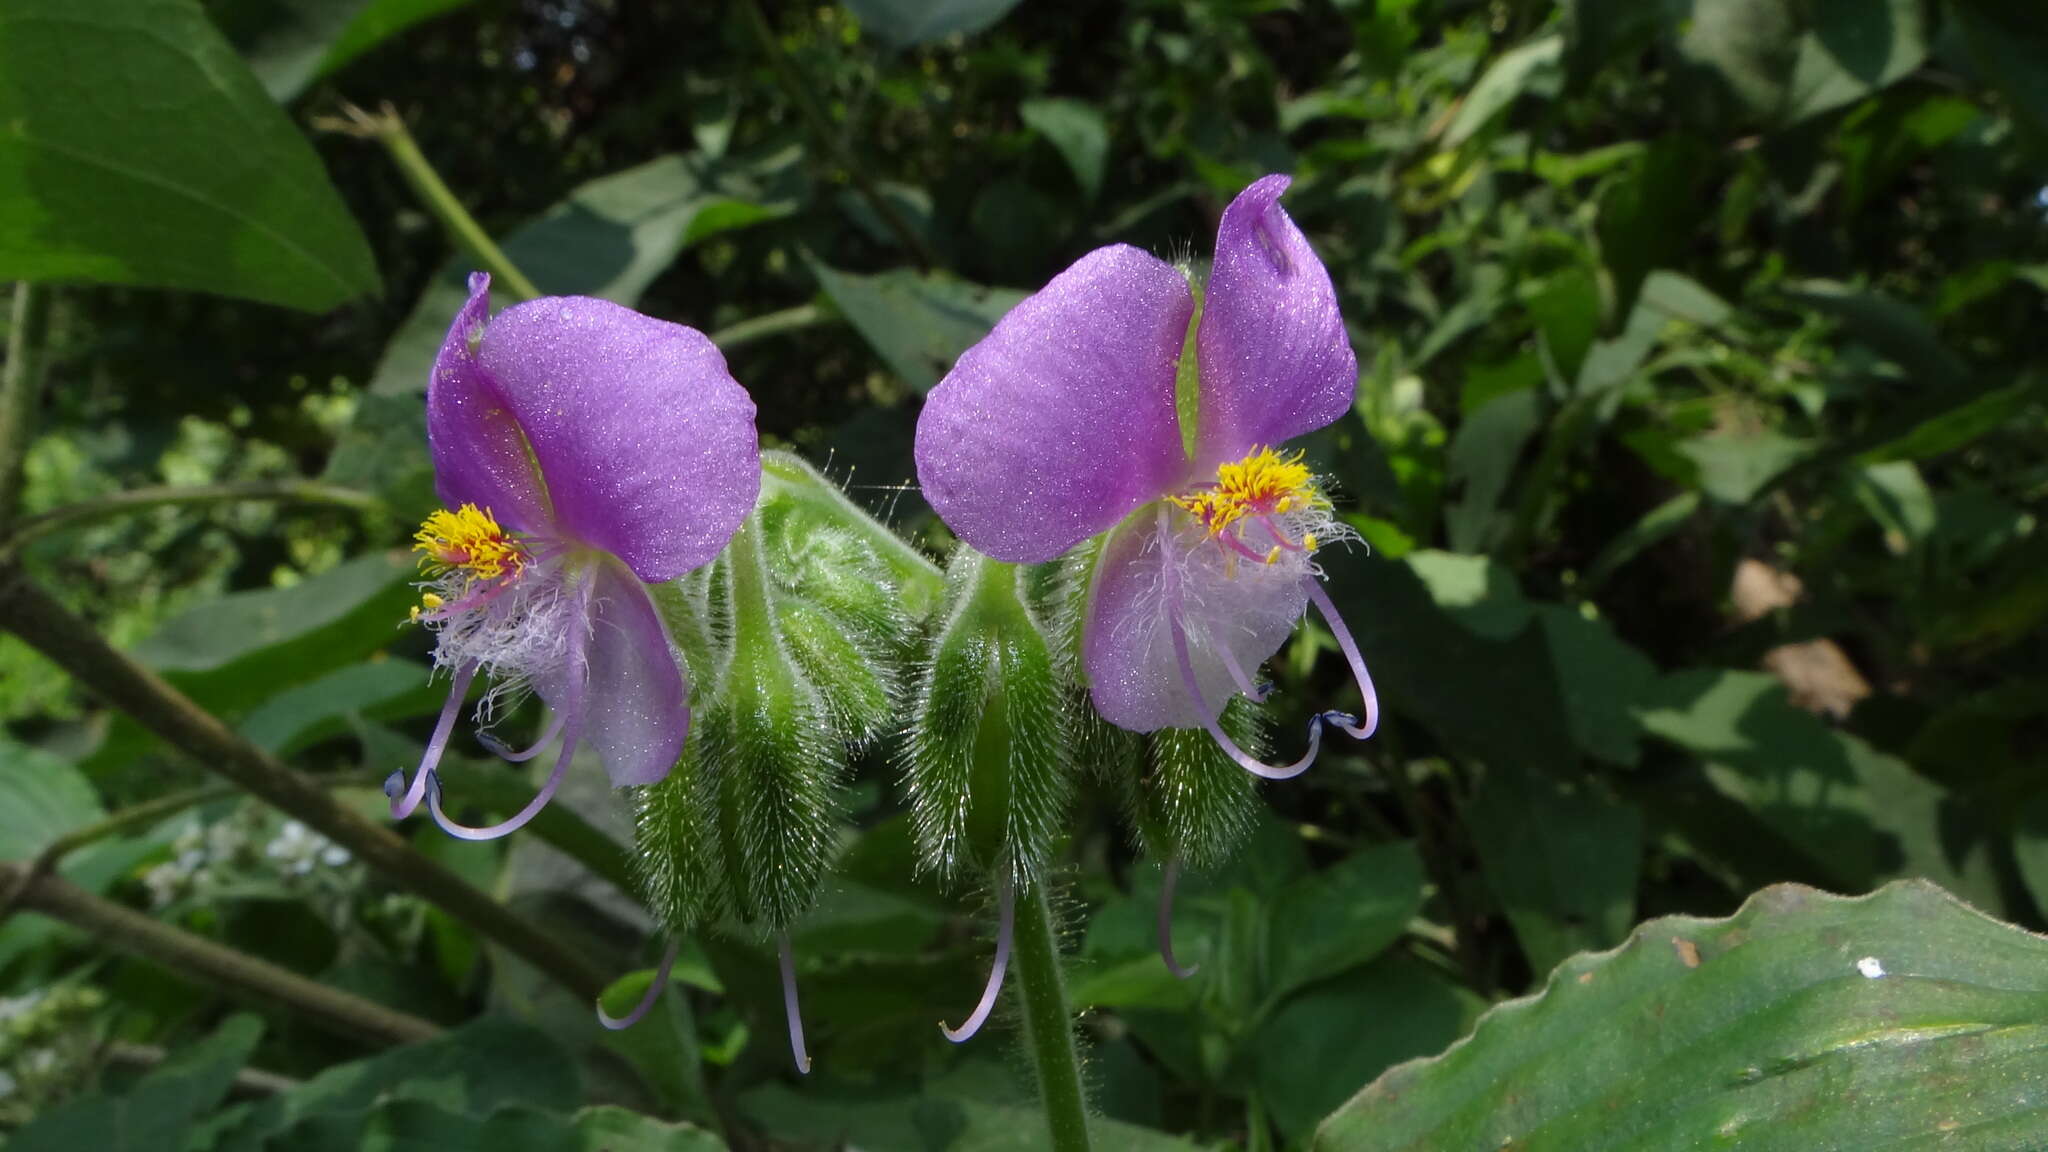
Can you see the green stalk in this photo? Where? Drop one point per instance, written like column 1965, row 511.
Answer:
column 20, row 379
column 388, row 129
column 143, row 499
column 771, row 324
column 211, row 965
column 54, row 630
column 1048, row 1023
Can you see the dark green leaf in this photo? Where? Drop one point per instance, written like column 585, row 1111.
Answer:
column 139, row 150
column 156, row 1113
column 1532, row 67
column 1313, row 1053
column 41, row 798
column 917, row 324
column 1078, row 131
column 1562, row 858
column 1342, row 917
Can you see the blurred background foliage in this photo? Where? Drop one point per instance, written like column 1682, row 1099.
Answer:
column 1700, row 447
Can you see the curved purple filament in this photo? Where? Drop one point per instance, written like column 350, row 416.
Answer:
column 1168, row 878
column 519, row 819
column 647, row 998
column 1349, row 647
column 1244, row 759
column 572, row 710
column 403, row 806
column 505, row 751
column 1006, row 912
column 789, row 1007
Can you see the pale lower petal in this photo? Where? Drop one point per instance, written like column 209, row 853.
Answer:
column 1128, row 648
column 636, row 709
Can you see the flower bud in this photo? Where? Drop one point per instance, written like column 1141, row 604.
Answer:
column 989, row 750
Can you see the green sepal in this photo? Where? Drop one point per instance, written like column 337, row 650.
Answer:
column 1194, row 803
column 674, row 825
column 790, row 480
column 988, row 760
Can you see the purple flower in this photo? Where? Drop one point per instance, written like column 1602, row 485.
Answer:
column 1062, row 425
column 586, row 451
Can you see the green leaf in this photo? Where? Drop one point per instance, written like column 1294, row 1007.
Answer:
column 243, row 647
column 1804, row 1021
column 157, row 1112
column 1738, row 52
column 1078, row 131
column 1654, row 527
column 487, row 1064
column 1856, row 813
column 1600, row 678
column 377, row 21
column 414, row 1124
column 1854, row 48
column 1736, row 465
column 1482, row 459
column 902, row 23
column 918, row 324
column 379, row 690
column 1342, row 917
column 138, row 149
column 2010, row 50
column 1897, row 331
column 1476, row 591
column 1532, row 67
column 1311, row 1055
column 41, row 798
column 1560, row 856
column 1956, row 427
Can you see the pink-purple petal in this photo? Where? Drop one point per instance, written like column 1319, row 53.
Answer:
column 636, row 702
column 645, row 439
column 481, row 455
column 1062, row 420
column 1275, row 360
column 1127, row 644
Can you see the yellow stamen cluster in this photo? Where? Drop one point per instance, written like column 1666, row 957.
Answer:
column 468, row 540
column 1263, row 483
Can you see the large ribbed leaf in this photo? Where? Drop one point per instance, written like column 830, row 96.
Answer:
column 1804, row 1021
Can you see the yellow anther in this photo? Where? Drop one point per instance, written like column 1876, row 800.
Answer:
column 1261, row 483
column 429, row 601
column 1273, row 554
column 1308, row 542
column 468, row 539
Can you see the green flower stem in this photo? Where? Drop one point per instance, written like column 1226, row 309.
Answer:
column 208, row 963
column 772, row 324
column 20, row 379
column 143, row 499
column 386, row 127
column 1048, row 1023
column 70, row 643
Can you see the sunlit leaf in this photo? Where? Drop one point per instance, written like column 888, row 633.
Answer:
column 138, row 149
column 1805, row 1020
